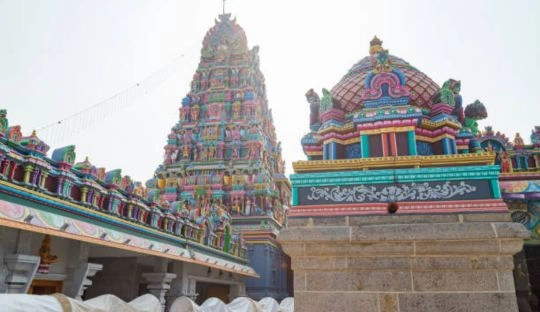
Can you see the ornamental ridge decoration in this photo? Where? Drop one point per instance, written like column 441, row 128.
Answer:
column 412, row 191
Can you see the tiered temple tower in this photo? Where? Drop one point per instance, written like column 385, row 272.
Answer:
column 223, row 152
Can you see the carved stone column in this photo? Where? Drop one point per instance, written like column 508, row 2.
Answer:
column 80, row 279
column 159, row 285
column 22, row 269
column 237, row 290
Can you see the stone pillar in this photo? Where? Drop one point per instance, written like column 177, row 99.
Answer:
column 237, row 290
column 22, row 269
column 406, row 263
column 159, row 285
column 79, row 279
column 411, row 139
column 364, row 142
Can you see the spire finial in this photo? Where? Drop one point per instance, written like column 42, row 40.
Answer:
column 224, row 7
column 375, row 45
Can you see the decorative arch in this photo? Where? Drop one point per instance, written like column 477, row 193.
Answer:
column 384, row 84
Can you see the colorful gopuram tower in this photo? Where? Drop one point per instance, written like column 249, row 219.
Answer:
column 398, row 208
column 223, row 152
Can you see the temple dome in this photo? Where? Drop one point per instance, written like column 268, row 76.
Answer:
column 224, row 39
column 348, row 91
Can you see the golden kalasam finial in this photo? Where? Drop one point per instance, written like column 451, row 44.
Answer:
column 375, row 45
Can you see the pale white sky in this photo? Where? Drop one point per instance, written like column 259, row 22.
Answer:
column 58, row 57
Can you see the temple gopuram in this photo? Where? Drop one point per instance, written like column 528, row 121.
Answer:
column 223, row 154
column 399, row 206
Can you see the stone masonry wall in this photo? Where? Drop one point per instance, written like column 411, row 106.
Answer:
column 405, row 263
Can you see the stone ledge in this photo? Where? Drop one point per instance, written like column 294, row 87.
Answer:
column 360, row 248
column 423, row 231
column 406, row 232
column 359, row 281
column 511, row 230
column 398, row 219
column 402, row 219
column 314, row 234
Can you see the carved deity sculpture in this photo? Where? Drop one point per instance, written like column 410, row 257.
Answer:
column 184, row 111
column 314, row 106
column 236, row 109
column 222, row 49
column 220, row 151
column 45, row 251
column 236, row 206
column 518, row 141
column 234, row 78
column 254, row 151
column 195, row 112
column 326, row 101
column 474, row 112
column 235, row 152
column 174, row 155
column 535, row 136
column 195, row 153
column 247, row 210
column 236, row 135
column 446, row 94
column 211, row 152
column 204, row 80
column 185, row 152
column 506, row 162
column 204, row 154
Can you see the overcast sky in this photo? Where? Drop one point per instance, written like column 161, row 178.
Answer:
column 60, row 57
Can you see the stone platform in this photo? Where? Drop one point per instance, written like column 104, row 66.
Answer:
column 405, row 263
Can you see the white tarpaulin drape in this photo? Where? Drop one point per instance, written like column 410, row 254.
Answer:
column 61, row 303
column 242, row 304
column 145, row 303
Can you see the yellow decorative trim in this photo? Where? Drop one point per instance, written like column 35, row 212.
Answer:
column 343, row 142
column 345, row 128
column 262, row 242
column 431, row 125
column 314, row 153
column 486, row 158
column 387, row 130
column 435, row 139
column 514, row 173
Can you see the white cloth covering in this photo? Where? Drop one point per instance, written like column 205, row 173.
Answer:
column 25, row 303
column 287, row 305
column 242, row 304
column 105, row 303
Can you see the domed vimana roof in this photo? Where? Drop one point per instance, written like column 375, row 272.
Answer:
column 348, row 91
